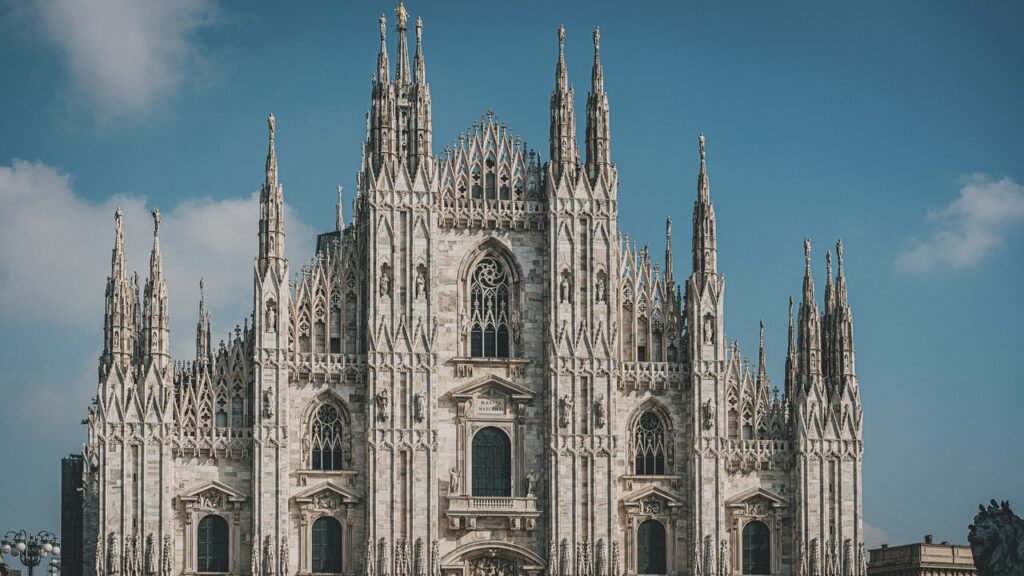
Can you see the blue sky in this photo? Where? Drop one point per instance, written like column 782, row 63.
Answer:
column 897, row 127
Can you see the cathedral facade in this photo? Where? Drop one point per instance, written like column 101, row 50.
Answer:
column 477, row 375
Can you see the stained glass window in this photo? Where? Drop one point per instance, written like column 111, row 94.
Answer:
column 489, row 310
column 649, row 445
column 492, row 463
column 326, row 439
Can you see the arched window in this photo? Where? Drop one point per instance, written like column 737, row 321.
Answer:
column 492, row 463
column 489, row 299
column 212, row 545
column 649, row 445
column 325, row 439
column 650, row 552
column 757, row 553
column 326, row 546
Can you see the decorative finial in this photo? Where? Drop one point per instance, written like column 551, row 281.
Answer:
column 119, row 220
column 762, row 333
column 271, row 124
column 700, row 141
column 668, row 227
column 402, row 15
column 561, row 40
column 383, row 27
column 828, row 263
column 807, row 252
column 156, row 222
column 340, row 223
column 597, row 39
column 419, row 29
column 839, row 255
column 202, row 289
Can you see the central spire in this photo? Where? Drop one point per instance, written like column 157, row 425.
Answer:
column 705, row 239
column 402, row 65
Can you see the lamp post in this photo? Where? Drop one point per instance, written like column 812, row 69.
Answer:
column 29, row 548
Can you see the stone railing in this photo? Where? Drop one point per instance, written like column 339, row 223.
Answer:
column 476, row 213
column 515, row 513
column 651, row 375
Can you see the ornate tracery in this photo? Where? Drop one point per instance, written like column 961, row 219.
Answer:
column 649, row 449
column 326, row 439
column 489, row 303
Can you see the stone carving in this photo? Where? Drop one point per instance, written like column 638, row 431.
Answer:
column 565, row 410
column 695, row 562
column 848, row 558
column 421, row 282
column 419, row 409
column 149, row 563
column 616, row 561
column 563, row 558
column 650, row 507
column 814, row 560
column 113, row 554
column 564, row 290
column 211, row 499
column 435, row 558
column 167, row 557
column 268, row 402
column 801, row 564
column 830, row 559
column 268, row 556
column 600, row 417
column 129, row 556
column 553, row 558
column 531, row 483
column 862, row 560
column 708, row 412
column 453, row 480
column 709, row 556
column 402, row 557
column 601, row 288
column 271, row 324
column 384, row 564
column 517, row 327
column 492, row 566
column 997, row 541
column 385, row 280
column 282, row 557
column 383, row 404
column 100, row 555
column 419, row 561
column 709, row 330
column 254, row 558
column 724, row 568
column 347, row 446
column 601, row 560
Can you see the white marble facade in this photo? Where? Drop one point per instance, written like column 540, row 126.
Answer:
column 477, row 375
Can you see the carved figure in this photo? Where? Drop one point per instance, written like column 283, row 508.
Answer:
column 421, row 282
column 565, row 404
column 113, row 554
column 600, row 417
column 601, row 289
column 724, row 569
column 369, row 559
column 435, row 558
column 453, row 480
column 709, row 331
column 100, row 555
column 563, row 291
column 347, row 446
column 268, row 556
column 149, row 566
column 385, row 280
column 616, row 567
column 531, row 483
column 708, row 411
column 997, row 541
column 517, row 326
column 698, row 568
column 283, row 557
column 383, row 402
column 385, row 561
column 254, row 559
column 166, row 557
column 271, row 316
column 268, row 402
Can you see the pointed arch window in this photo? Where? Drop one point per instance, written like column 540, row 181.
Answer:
column 649, row 445
column 326, row 439
column 651, row 548
column 489, row 302
column 756, row 548
column 212, row 549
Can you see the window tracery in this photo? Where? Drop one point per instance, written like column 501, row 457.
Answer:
column 649, row 448
column 489, row 303
column 326, row 439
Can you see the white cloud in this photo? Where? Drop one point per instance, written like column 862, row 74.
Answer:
column 127, row 56
column 874, row 536
column 55, row 252
column 966, row 230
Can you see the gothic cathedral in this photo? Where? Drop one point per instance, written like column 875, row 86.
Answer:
column 477, row 375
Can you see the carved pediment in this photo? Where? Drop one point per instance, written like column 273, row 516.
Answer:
column 651, row 500
column 212, row 495
column 327, row 496
column 492, row 384
column 755, row 502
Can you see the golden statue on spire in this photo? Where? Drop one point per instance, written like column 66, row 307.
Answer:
column 402, row 15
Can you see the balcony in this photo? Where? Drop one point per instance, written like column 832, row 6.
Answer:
column 514, row 513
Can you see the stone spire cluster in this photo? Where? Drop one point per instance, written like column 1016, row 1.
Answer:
column 564, row 152
column 399, row 125
column 599, row 138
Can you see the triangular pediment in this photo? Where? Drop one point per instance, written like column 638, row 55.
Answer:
column 492, row 382
column 230, row 493
column 754, row 493
column 649, row 492
column 326, row 489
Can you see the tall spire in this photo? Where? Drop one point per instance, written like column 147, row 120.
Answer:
column 762, row 369
column 564, row 154
column 340, row 218
column 705, row 237
column 203, row 350
column 809, row 330
column 120, row 318
column 383, row 66
column 668, row 249
column 271, row 229
column 155, row 322
column 808, row 279
column 598, row 134
column 402, row 63
column 419, row 65
column 790, row 381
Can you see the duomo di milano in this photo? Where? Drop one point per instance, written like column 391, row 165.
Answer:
column 478, row 375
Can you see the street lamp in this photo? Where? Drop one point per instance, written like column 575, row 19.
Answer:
column 30, row 549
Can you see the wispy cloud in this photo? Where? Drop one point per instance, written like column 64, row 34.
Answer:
column 125, row 57
column 55, row 251
column 969, row 228
column 874, row 536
